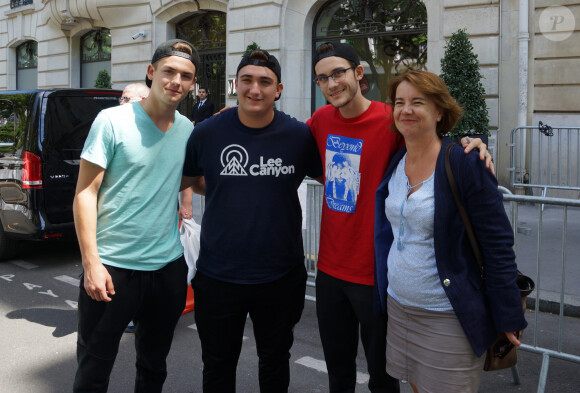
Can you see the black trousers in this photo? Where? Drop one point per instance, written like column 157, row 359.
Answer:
column 221, row 309
column 342, row 307
column 154, row 301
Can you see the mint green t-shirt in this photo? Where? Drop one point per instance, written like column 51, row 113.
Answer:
column 137, row 223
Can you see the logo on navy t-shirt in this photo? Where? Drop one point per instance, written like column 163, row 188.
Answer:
column 342, row 181
column 235, row 158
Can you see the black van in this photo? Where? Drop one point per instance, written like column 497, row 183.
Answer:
column 42, row 133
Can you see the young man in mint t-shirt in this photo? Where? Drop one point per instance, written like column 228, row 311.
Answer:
column 127, row 226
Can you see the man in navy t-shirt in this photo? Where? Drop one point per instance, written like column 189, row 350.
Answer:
column 249, row 162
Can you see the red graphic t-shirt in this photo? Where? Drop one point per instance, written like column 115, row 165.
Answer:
column 355, row 154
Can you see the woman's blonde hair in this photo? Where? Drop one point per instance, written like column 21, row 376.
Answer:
column 436, row 91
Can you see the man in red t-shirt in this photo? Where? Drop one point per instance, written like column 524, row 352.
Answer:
column 356, row 144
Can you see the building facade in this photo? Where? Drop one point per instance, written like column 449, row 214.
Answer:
column 528, row 49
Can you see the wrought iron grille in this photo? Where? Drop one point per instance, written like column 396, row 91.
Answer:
column 357, row 17
column 96, row 46
column 18, row 3
column 401, row 24
column 26, row 55
column 390, row 36
column 207, row 33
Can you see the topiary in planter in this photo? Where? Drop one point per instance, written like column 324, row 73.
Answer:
column 103, row 80
column 252, row 47
column 460, row 72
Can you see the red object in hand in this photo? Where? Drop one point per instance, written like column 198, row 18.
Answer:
column 189, row 302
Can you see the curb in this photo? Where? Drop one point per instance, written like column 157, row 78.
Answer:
column 550, row 303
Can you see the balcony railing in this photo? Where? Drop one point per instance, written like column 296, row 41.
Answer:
column 18, row 3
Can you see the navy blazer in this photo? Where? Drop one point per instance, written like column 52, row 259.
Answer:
column 205, row 112
column 483, row 306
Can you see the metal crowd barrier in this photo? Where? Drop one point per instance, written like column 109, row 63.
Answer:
column 311, row 234
column 559, row 351
column 545, row 157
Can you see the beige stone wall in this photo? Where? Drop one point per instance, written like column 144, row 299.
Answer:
column 481, row 20
column 250, row 21
column 58, row 25
column 284, row 27
column 555, row 65
column 508, row 85
column 15, row 28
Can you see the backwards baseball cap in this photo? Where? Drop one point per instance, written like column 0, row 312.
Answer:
column 345, row 51
column 166, row 49
column 271, row 63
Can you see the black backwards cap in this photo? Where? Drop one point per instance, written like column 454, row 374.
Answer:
column 271, row 63
column 166, row 49
column 345, row 51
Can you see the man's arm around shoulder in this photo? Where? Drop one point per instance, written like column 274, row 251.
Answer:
column 97, row 280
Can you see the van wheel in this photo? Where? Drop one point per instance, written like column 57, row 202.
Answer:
column 8, row 247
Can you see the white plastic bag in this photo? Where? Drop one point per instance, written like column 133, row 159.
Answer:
column 189, row 235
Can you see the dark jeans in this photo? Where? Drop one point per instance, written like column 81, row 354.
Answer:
column 341, row 307
column 155, row 301
column 221, row 309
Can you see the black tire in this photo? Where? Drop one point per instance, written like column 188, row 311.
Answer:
column 8, row 247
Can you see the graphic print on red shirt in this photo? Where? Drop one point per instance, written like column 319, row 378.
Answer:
column 342, row 181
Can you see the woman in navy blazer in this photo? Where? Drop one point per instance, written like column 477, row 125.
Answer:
column 434, row 274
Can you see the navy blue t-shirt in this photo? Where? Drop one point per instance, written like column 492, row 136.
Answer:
column 251, row 231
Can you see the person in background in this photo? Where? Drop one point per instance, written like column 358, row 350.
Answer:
column 356, row 144
column 134, row 92
column 124, row 212
column 204, row 108
column 442, row 314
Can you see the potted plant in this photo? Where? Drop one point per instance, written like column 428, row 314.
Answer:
column 103, row 80
column 253, row 46
column 460, row 72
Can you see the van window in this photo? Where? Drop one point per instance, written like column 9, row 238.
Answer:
column 68, row 120
column 13, row 114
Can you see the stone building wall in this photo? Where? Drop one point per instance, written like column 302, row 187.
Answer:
column 556, row 60
column 284, row 27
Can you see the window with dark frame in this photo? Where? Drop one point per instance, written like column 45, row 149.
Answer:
column 390, row 36
column 19, row 3
column 96, row 46
column 27, row 55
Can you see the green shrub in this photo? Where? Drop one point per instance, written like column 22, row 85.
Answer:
column 103, row 80
column 460, row 72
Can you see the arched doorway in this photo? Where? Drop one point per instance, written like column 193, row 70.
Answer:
column 26, row 66
column 389, row 36
column 207, row 32
column 95, row 55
